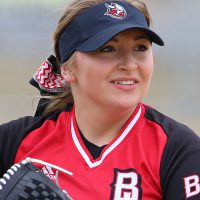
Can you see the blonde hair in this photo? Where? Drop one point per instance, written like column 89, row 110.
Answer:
column 75, row 8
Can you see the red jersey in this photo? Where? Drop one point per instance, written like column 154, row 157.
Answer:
column 152, row 158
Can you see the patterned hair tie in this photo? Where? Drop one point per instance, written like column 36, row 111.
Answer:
column 48, row 78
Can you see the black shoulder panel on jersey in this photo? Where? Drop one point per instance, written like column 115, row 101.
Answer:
column 181, row 156
column 12, row 134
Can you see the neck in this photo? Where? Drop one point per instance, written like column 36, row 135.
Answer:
column 101, row 125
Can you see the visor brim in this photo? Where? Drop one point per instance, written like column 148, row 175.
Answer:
column 97, row 40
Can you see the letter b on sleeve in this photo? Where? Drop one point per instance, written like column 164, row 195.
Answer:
column 192, row 186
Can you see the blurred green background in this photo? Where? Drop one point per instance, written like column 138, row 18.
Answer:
column 26, row 28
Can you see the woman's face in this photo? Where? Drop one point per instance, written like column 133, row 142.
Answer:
column 116, row 75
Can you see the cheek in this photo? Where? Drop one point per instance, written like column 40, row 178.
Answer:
column 90, row 68
column 146, row 72
column 147, row 69
column 87, row 72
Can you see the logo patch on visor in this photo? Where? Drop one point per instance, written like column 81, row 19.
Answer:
column 115, row 11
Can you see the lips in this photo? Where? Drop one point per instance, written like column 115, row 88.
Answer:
column 124, row 83
column 125, row 80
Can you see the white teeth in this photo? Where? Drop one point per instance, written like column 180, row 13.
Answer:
column 124, row 82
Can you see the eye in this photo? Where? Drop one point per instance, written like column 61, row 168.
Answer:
column 141, row 47
column 107, row 49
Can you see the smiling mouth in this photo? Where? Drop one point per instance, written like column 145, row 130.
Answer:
column 129, row 82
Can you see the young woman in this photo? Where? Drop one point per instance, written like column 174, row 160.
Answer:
column 96, row 127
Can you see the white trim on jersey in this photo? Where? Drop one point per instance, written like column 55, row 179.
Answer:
column 113, row 146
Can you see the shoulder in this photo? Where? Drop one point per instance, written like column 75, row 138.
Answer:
column 171, row 128
column 176, row 133
column 11, row 134
column 179, row 137
column 14, row 127
column 14, row 132
column 180, row 159
column 24, row 125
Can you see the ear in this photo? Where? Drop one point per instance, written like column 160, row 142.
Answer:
column 68, row 74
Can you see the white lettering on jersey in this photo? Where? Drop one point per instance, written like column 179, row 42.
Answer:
column 192, row 185
column 126, row 185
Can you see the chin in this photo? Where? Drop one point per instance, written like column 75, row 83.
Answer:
column 125, row 105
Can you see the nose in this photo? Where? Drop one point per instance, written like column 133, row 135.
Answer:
column 127, row 62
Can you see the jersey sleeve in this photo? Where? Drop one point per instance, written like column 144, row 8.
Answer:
column 180, row 165
column 11, row 135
